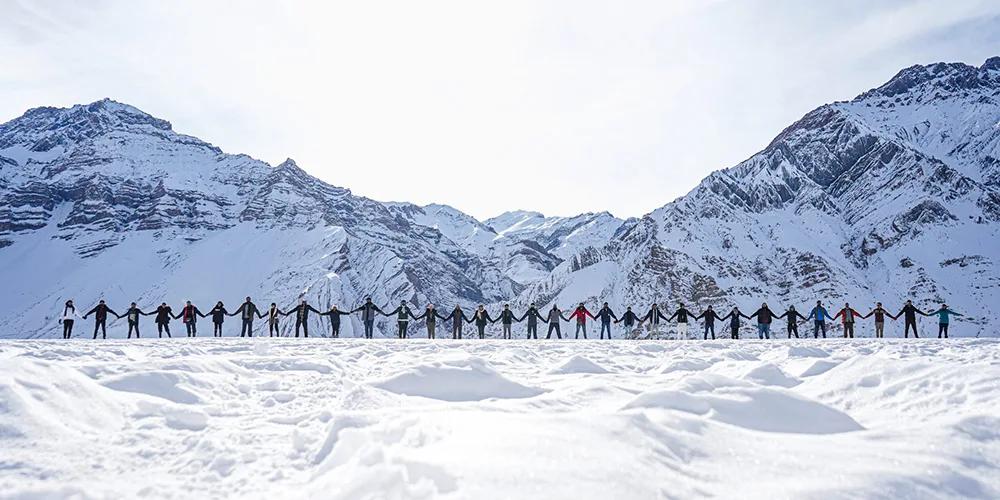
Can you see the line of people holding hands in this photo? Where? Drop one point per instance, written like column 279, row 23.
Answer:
column 457, row 318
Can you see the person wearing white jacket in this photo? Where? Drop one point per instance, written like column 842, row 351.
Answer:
column 67, row 317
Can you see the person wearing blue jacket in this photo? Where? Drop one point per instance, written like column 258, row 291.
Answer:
column 819, row 317
column 943, row 315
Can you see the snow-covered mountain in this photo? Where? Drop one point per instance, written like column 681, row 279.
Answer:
column 893, row 195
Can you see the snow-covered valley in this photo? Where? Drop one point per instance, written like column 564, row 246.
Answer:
column 318, row 418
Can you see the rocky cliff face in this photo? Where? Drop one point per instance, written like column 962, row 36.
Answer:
column 890, row 196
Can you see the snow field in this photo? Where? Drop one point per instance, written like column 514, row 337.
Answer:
column 349, row 419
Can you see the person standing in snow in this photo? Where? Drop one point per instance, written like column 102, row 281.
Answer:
column 606, row 314
column 132, row 315
column 880, row 315
column 506, row 319
column 189, row 316
column 430, row 317
column 734, row 321
column 481, row 317
column 653, row 317
column 403, row 315
column 682, row 315
column 554, row 316
column 943, row 315
column 67, row 318
column 162, row 320
column 848, row 314
column 334, row 315
column 793, row 325
column 247, row 311
column 218, row 314
column 710, row 318
column 764, row 317
column 100, row 312
column 532, row 316
column 458, row 319
column 909, row 314
column 581, row 314
column 273, row 313
column 630, row 319
column 301, row 313
column 368, row 314
column 820, row 315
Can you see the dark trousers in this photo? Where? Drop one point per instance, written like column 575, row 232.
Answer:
column 305, row 328
column 456, row 331
column 943, row 328
column 793, row 328
column 192, row 328
column 431, row 326
column 402, row 328
column 736, row 332
column 247, row 329
column 132, row 326
column 581, row 326
column 849, row 329
column 217, row 330
column 605, row 326
column 335, row 333
column 532, row 331
column 100, row 324
column 160, row 327
column 506, row 330
column 369, row 329
column 906, row 332
column 709, row 327
column 482, row 331
column 817, row 326
column 272, row 329
column 67, row 328
column 554, row 326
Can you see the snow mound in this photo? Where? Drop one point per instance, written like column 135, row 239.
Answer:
column 770, row 374
column 801, row 351
column 757, row 408
column 686, row 365
column 578, row 364
column 470, row 379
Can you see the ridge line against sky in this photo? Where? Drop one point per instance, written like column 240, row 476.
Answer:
column 555, row 107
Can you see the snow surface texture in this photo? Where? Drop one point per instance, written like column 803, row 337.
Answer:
column 350, row 419
column 893, row 195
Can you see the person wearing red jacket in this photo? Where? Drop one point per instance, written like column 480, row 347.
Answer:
column 581, row 314
column 847, row 314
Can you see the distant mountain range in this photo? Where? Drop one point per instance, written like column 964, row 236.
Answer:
column 892, row 195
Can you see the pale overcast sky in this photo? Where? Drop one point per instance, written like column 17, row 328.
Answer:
column 561, row 107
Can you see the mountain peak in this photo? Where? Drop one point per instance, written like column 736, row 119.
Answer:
column 950, row 77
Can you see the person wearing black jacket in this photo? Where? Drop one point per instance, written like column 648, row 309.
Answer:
column 682, row 321
column 430, row 317
column 189, row 316
column 218, row 314
column 764, row 317
column 132, row 314
column 710, row 317
column 654, row 316
column 630, row 319
column 403, row 315
column 247, row 310
column 605, row 315
column 335, row 315
column 910, row 313
column 458, row 319
column 506, row 319
column 793, row 325
column 734, row 321
column 273, row 313
column 301, row 313
column 368, row 314
column 100, row 312
column 163, row 315
column 532, row 316
column 481, row 317
column 554, row 316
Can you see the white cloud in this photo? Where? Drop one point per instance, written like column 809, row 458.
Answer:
column 560, row 107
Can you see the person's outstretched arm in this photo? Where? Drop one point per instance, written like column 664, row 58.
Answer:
column 313, row 309
column 415, row 318
column 744, row 315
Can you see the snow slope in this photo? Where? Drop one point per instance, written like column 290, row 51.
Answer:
column 262, row 418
